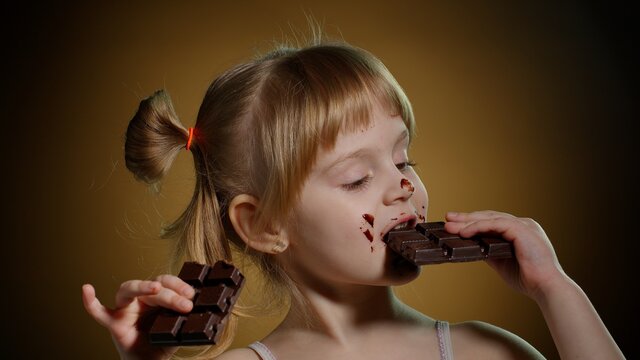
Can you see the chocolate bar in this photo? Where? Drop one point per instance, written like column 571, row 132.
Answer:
column 217, row 288
column 430, row 243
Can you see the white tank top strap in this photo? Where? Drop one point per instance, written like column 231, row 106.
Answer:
column 444, row 340
column 262, row 350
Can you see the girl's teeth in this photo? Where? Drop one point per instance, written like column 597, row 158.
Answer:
column 400, row 226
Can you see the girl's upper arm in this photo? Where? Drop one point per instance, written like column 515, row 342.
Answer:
column 239, row 354
column 491, row 342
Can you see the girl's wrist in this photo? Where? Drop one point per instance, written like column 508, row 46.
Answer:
column 553, row 287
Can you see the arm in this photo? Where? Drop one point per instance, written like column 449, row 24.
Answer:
column 575, row 326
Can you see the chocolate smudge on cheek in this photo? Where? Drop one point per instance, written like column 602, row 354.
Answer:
column 367, row 233
column 368, row 218
column 422, row 218
column 407, row 185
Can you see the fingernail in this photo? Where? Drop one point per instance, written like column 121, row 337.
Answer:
column 188, row 292
column 452, row 213
column 185, row 304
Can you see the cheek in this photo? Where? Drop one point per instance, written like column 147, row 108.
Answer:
column 342, row 224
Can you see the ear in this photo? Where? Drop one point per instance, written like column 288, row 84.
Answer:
column 242, row 213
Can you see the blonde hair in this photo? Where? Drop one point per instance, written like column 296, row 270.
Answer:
column 258, row 131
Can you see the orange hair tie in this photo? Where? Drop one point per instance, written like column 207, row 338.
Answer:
column 190, row 138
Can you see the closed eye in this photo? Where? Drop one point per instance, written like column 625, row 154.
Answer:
column 358, row 184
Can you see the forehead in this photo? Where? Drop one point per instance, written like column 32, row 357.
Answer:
column 382, row 135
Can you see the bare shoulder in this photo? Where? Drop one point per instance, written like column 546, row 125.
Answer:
column 238, row 354
column 473, row 339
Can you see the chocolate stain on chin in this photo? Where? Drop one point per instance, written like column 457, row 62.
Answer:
column 407, row 185
column 368, row 218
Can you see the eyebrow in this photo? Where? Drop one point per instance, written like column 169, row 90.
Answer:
column 360, row 153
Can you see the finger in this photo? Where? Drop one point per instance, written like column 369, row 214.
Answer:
column 176, row 284
column 169, row 299
column 93, row 306
column 501, row 225
column 454, row 227
column 476, row 215
column 132, row 289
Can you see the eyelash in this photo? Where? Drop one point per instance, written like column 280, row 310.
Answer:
column 358, row 184
column 403, row 166
column 362, row 183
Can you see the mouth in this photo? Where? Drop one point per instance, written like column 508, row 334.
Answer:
column 396, row 261
column 404, row 226
column 405, row 223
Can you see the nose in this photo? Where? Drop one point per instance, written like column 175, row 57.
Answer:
column 399, row 189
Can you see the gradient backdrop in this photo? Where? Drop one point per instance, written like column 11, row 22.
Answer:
column 522, row 108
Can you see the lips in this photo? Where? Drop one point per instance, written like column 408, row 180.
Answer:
column 406, row 222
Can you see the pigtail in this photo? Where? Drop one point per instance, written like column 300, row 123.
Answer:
column 154, row 138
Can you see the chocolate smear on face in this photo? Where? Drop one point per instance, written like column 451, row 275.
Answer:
column 368, row 234
column 369, row 218
column 407, row 185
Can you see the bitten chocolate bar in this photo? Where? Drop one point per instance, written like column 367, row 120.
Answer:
column 429, row 243
column 217, row 289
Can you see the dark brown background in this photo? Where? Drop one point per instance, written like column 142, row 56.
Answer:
column 522, row 108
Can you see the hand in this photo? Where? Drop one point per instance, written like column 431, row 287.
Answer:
column 135, row 301
column 535, row 264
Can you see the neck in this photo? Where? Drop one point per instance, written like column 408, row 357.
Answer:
column 346, row 311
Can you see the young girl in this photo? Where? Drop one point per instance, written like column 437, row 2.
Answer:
column 291, row 151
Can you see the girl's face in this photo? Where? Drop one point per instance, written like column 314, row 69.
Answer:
column 355, row 194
